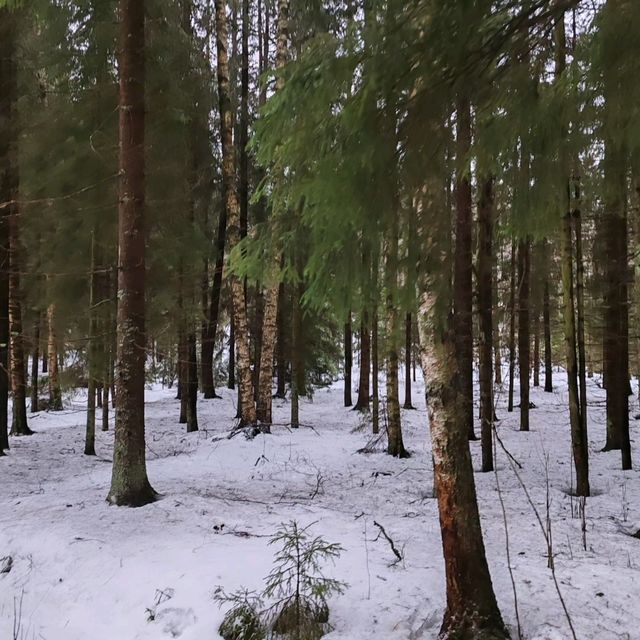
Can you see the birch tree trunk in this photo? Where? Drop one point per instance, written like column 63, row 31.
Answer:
column 270, row 313
column 247, row 405
column 129, row 482
column 472, row 612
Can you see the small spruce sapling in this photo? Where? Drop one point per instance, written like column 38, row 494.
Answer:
column 296, row 587
column 244, row 620
column 297, row 582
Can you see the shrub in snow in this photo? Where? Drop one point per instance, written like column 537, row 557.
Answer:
column 296, row 588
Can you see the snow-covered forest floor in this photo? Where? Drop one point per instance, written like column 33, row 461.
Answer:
column 85, row 570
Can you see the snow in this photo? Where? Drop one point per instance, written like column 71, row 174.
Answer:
column 83, row 569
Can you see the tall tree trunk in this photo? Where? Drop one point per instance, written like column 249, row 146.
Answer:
column 582, row 357
column 394, row 426
column 231, row 373
column 407, row 361
column 497, row 341
column 364, row 391
column 55, row 392
column 129, row 483
column 191, row 391
column 512, row 324
column 536, row 347
column 472, row 612
column 524, row 267
column 546, row 321
column 485, row 299
column 107, row 343
column 10, row 187
column 281, row 364
column 8, row 139
column 578, row 437
column 375, row 394
column 579, row 441
column 35, row 361
column 92, row 357
column 270, row 315
column 462, row 297
column 19, row 426
column 296, row 352
column 348, row 362
column 247, row 405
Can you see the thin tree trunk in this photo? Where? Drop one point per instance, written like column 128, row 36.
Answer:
column 472, row 611
column 247, row 405
column 512, row 325
column 231, row 374
column 524, row 266
column 35, row 361
column 578, row 439
column 582, row 358
column 11, row 178
column 192, row 383
column 281, row 364
column 375, row 394
column 546, row 321
column 92, row 357
column 394, row 426
column 129, row 483
column 55, row 393
column 536, row 347
column 7, row 138
column 270, row 316
column 485, row 299
column 348, row 362
column 462, row 297
column 407, row 362
column 107, row 369
column 364, row 391
column 296, row 353
column 19, row 426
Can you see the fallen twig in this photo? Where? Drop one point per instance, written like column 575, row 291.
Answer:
column 397, row 554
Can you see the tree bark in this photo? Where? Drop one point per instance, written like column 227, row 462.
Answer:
column 270, row 314
column 19, row 426
column 485, row 299
column 394, row 426
column 281, row 364
column 524, row 266
column 7, row 188
column 247, row 405
column 472, row 612
column 364, row 390
column 92, row 357
column 463, row 297
column 512, row 325
column 348, row 362
column 296, row 353
column 55, row 392
column 191, row 383
column 546, row 321
column 375, row 394
column 407, row 362
column 129, row 482
column 35, row 361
